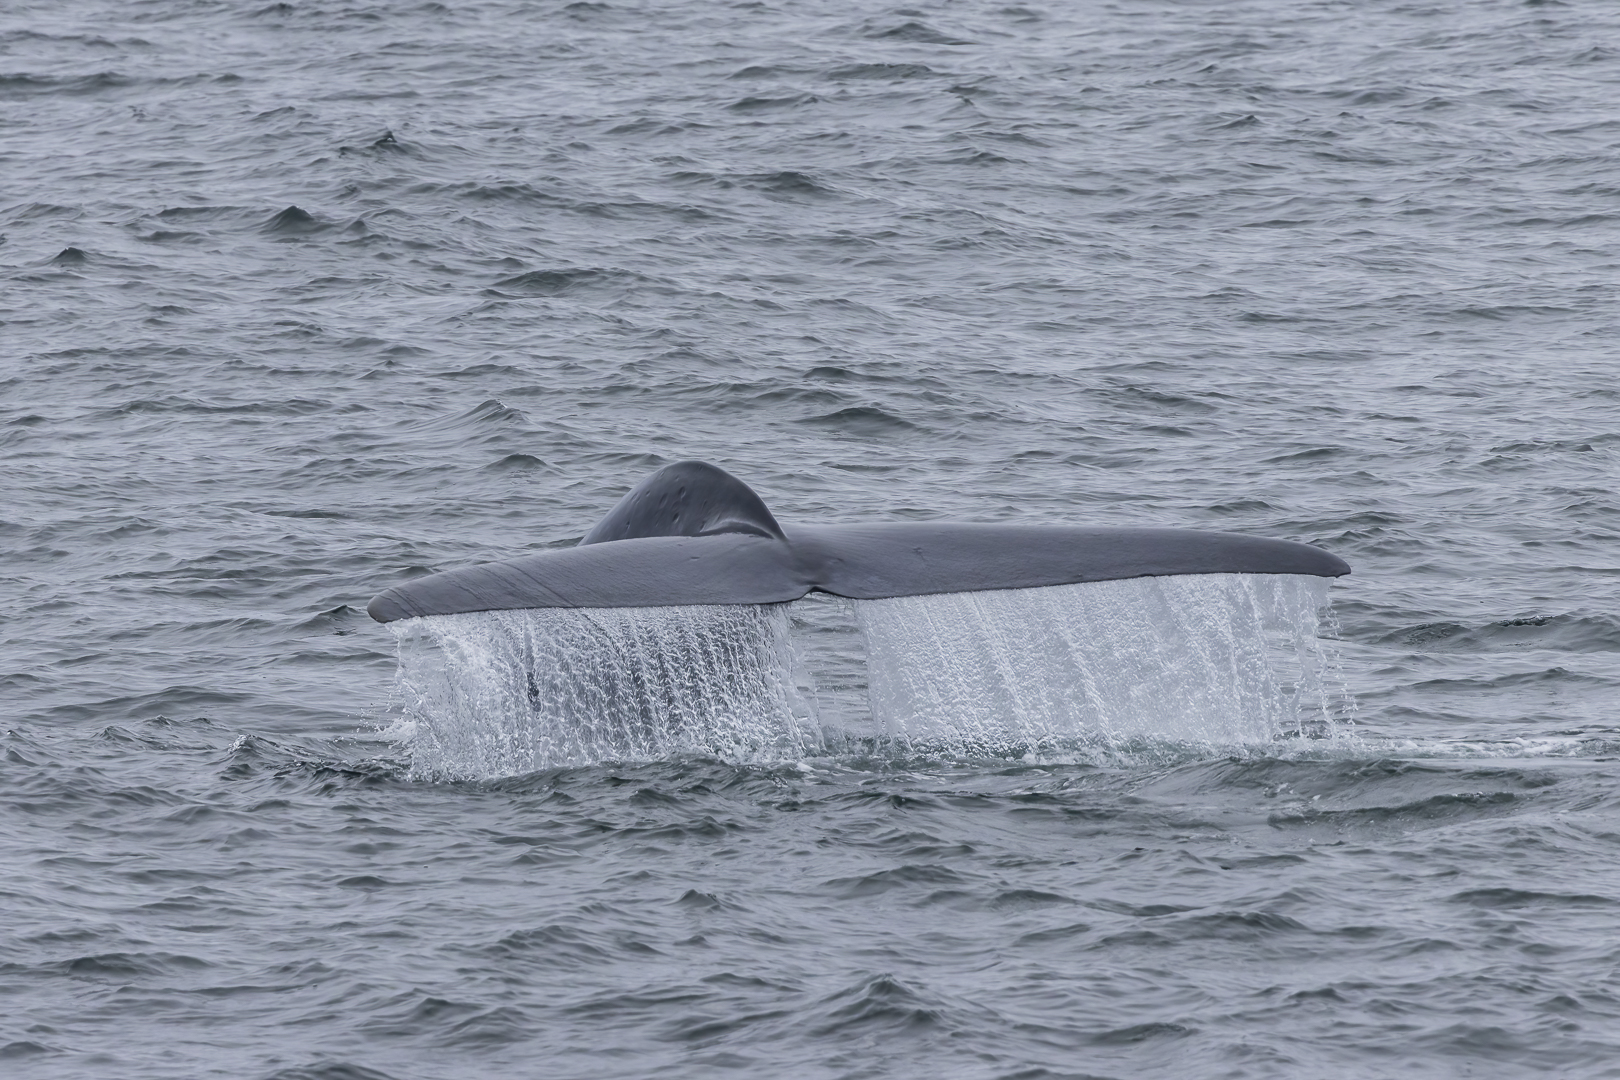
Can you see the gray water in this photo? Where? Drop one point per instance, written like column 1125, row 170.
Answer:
column 1336, row 272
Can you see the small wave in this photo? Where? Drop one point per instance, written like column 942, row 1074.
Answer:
column 567, row 280
column 330, row 1070
column 1523, row 898
column 881, row 71
column 122, row 968
column 386, row 143
column 763, row 104
column 174, row 213
column 1132, row 1034
column 500, row 192
column 867, row 421
column 517, row 463
column 555, row 945
column 95, row 41
column 1435, row 808
column 767, row 71
column 25, row 1048
column 28, row 86
column 481, row 370
column 1563, row 632
column 1159, row 401
column 880, row 1004
column 491, row 412
column 900, row 877
column 294, row 221
column 789, row 182
column 188, row 702
column 915, row 32
column 1561, row 676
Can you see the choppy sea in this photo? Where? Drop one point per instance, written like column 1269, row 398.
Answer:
column 302, row 299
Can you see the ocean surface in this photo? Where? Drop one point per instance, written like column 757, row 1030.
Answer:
column 303, row 299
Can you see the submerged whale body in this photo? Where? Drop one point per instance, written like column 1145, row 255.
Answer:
column 694, row 534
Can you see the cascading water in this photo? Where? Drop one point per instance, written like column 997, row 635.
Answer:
column 1213, row 659
column 501, row 693
column 1220, row 659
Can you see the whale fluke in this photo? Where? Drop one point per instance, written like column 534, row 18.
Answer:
column 694, row 534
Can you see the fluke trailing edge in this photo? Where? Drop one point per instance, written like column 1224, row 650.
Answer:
column 693, row 534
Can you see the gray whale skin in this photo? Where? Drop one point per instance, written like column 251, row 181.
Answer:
column 693, row 534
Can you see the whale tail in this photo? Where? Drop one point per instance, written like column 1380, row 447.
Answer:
column 693, row 534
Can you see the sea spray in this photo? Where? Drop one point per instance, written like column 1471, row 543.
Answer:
column 502, row 693
column 1216, row 659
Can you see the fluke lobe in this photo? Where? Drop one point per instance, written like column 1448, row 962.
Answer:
column 694, row 534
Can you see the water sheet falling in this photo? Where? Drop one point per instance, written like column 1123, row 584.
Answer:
column 503, row 693
column 1213, row 659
